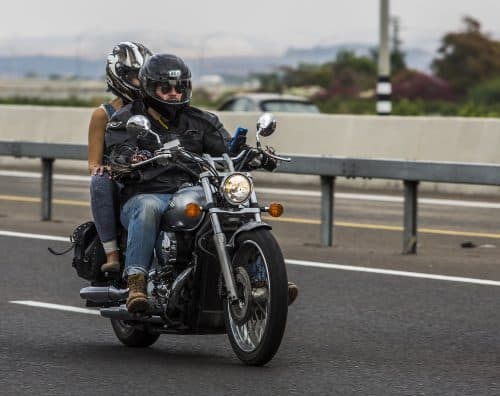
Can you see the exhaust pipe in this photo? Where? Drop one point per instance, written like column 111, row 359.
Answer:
column 121, row 313
column 103, row 294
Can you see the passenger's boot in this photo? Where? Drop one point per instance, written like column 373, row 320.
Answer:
column 137, row 300
column 112, row 263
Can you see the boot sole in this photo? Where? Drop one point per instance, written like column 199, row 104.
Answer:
column 139, row 304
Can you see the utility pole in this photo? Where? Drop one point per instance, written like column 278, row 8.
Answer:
column 384, row 89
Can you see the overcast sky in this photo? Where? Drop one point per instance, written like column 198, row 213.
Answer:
column 221, row 27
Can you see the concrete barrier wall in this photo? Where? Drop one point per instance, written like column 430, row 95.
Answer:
column 394, row 137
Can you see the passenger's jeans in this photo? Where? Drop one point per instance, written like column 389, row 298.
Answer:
column 102, row 199
column 141, row 216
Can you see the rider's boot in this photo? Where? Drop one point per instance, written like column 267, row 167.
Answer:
column 137, row 300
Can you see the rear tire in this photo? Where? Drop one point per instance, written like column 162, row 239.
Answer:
column 257, row 341
column 132, row 336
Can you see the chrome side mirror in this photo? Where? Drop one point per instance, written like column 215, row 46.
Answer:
column 137, row 124
column 266, row 125
column 140, row 124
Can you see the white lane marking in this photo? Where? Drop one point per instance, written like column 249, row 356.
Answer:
column 393, row 272
column 58, row 307
column 301, row 193
column 36, row 175
column 34, row 236
column 487, row 282
column 320, row 265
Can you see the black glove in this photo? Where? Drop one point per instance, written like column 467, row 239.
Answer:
column 119, row 161
column 261, row 159
column 268, row 163
column 141, row 155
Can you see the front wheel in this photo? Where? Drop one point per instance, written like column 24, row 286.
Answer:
column 132, row 336
column 255, row 325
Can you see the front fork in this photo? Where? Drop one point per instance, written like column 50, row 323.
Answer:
column 220, row 244
column 225, row 262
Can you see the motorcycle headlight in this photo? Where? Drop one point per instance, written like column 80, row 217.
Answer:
column 236, row 188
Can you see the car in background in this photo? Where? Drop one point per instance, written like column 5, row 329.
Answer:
column 268, row 102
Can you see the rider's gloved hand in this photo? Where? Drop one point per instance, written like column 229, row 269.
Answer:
column 267, row 162
column 140, row 155
column 261, row 159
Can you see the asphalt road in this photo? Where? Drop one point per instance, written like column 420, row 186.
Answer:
column 349, row 332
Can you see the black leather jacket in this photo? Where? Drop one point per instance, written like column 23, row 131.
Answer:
column 198, row 131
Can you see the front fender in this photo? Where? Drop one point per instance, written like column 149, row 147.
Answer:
column 248, row 227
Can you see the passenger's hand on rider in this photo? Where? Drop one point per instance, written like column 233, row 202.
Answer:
column 99, row 169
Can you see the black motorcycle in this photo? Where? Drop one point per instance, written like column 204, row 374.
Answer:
column 219, row 269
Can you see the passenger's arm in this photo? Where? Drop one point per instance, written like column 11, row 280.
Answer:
column 97, row 127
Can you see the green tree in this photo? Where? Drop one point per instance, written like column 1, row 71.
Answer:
column 486, row 93
column 467, row 58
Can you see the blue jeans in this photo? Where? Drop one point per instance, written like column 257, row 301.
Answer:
column 141, row 216
column 102, row 200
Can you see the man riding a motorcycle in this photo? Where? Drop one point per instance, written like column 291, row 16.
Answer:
column 166, row 86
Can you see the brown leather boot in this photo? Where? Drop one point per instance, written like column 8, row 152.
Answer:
column 137, row 300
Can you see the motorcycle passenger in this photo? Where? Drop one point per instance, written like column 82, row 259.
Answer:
column 122, row 68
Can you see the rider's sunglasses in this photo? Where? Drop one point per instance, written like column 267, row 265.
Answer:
column 180, row 86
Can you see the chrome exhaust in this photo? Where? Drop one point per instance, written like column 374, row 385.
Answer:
column 103, row 294
column 121, row 313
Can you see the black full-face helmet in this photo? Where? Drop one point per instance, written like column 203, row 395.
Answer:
column 164, row 71
column 122, row 68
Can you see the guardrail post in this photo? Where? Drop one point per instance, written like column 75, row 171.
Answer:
column 47, row 169
column 327, row 209
column 410, row 217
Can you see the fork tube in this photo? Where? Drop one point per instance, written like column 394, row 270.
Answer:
column 220, row 244
column 225, row 263
column 254, row 203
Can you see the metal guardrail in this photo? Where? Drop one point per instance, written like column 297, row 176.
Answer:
column 410, row 172
column 327, row 167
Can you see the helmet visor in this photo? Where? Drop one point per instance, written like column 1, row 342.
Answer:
column 129, row 75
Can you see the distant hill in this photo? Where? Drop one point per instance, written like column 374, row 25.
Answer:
column 237, row 66
column 46, row 66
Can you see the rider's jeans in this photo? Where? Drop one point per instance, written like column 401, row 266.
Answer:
column 103, row 208
column 141, row 216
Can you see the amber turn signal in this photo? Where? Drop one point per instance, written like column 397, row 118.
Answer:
column 192, row 210
column 275, row 209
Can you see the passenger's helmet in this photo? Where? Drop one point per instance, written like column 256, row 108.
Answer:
column 166, row 70
column 123, row 66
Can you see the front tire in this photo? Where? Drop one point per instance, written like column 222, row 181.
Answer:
column 256, row 341
column 132, row 336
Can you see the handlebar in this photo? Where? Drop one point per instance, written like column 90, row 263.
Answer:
column 171, row 152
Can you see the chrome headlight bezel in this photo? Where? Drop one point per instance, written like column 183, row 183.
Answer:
column 236, row 188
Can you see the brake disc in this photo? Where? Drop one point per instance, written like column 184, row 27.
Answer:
column 241, row 309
